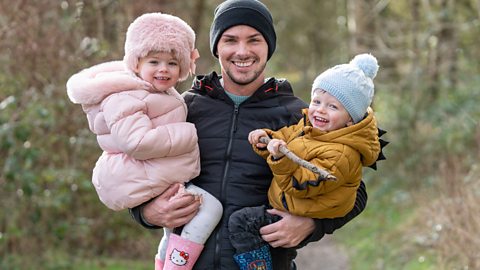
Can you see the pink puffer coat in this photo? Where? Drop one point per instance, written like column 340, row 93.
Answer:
column 146, row 143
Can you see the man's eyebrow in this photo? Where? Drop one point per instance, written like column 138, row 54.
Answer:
column 228, row 36
column 255, row 35
column 235, row 36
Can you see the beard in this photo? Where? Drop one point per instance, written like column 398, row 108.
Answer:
column 245, row 79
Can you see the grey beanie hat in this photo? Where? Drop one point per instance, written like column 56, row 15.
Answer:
column 351, row 84
column 243, row 12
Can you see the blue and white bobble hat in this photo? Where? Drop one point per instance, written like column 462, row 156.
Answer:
column 351, row 84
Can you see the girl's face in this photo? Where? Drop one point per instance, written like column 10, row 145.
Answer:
column 161, row 69
column 327, row 113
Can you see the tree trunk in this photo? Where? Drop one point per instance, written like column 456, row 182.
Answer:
column 361, row 25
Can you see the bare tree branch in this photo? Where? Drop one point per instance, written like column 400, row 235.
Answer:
column 322, row 174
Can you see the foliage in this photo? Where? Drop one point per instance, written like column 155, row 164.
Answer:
column 47, row 150
column 422, row 198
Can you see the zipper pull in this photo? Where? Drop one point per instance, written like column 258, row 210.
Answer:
column 235, row 117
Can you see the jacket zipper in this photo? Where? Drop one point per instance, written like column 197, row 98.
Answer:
column 233, row 129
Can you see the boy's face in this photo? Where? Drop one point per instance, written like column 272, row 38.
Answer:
column 161, row 69
column 327, row 113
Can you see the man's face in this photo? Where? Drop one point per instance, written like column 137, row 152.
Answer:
column 242, row 52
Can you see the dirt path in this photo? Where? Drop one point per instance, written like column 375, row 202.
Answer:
column 323, row 255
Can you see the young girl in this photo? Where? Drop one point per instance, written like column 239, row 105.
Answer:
column 140, row 122
column 338, row 134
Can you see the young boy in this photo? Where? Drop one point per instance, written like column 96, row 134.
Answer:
column 338, row 134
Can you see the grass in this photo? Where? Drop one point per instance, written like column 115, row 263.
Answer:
column 379, row 238
column 115, row 264
column 371, row 245
column 56, row 259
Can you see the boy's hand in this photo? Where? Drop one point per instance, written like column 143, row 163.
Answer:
column 254, row 137
column 273, row 147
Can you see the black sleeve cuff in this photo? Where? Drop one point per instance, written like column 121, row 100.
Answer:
column 136, row 214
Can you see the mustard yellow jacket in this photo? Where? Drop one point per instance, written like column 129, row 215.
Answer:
column 342, row 152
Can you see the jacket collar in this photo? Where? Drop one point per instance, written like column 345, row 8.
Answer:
column 210, row 85
column 362, row 136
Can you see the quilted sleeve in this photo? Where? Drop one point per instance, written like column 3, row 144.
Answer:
column 134, row 133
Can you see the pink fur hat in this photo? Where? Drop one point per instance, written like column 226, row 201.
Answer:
column 161, row 33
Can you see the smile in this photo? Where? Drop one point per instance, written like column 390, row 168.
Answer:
column 161, row 78
column 320, row 119
column 243, row 63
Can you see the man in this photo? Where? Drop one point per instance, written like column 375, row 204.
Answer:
column 224, row 110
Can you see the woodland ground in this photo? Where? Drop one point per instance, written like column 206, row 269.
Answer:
column 325, row 254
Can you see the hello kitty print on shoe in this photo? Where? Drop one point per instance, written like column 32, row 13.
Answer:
column 179, row 257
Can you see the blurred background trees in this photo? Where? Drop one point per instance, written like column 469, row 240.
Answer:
column 423, row 199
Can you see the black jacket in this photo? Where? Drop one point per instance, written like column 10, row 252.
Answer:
column 231, row 170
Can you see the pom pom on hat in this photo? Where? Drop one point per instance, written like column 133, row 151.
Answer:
column 367, row 63
column 158, row 32
column 351, row 84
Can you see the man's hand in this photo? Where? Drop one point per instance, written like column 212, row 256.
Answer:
column 169, row 212
column 287, row 232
